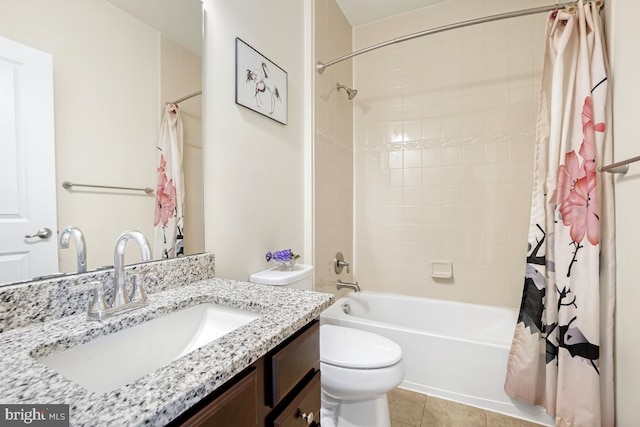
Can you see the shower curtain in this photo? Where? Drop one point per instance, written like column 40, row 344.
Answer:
column 168, row 239
column 562, row 351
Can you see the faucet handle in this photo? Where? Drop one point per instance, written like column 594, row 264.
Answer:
column 138, row 293
column 99, row 303
column 339, row 263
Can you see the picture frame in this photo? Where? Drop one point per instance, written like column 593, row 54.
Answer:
column 261, row 85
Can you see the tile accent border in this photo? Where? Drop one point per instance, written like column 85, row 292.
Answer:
column 442, row 142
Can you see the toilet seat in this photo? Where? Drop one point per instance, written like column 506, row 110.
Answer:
column 356, row 384
column 356, row 349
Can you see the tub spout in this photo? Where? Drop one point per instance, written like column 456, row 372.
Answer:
column 353, row 286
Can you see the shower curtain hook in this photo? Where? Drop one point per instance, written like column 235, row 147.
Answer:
column 572, row 8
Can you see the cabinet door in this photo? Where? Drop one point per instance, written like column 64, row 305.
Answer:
column 306, row 403
column 289, row 365
column 236, row 407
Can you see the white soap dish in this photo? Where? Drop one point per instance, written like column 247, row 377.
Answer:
column 441, row 269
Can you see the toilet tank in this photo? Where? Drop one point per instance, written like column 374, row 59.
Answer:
column 300, row 277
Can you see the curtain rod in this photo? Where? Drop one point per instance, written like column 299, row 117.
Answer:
column 184, row 98
column 320, row 66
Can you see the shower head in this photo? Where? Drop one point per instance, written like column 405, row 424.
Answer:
column 351, row 93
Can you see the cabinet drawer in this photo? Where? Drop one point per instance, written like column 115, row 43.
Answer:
column 307, row 402
column 290, row 364
column 237, row 406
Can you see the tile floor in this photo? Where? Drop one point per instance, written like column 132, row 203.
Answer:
column 409, row 409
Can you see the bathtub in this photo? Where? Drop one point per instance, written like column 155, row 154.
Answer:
column 451, row 350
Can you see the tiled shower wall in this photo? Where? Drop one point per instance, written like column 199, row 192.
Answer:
column 333, row 147
column 443, row 138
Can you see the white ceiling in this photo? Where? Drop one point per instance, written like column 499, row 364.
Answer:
column 180, row 20
column 360, row 12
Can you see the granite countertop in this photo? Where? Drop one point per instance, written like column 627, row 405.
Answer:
column 162, row 395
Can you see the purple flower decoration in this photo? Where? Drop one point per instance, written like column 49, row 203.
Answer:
column 283, row 255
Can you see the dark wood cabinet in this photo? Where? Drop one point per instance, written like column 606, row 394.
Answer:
column 304, row 409
column 281, row 389
column 289, row 364
column 237, row 406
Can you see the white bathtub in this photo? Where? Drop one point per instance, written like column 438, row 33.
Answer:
column 451, row 350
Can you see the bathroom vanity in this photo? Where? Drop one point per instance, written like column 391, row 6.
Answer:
column 280, row 389
column 264, row 373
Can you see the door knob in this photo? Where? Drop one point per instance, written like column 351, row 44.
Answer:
column 43, row 233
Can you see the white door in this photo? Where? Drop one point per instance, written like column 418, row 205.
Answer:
column 27, row 163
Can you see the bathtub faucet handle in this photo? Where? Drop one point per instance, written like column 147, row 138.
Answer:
column 339, row 263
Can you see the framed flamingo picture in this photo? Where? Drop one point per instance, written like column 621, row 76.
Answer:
column 261, row 85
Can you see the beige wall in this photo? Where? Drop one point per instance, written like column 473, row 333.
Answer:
column 333, row 147
column 626, row 92
column 242, row 141
column 254, row 167
column 444, row 131
column 109, row 90
column 181, row 75
column 106, row 80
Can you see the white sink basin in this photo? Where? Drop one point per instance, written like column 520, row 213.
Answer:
column 112, row 361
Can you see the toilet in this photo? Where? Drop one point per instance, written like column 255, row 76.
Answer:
column 357, row 368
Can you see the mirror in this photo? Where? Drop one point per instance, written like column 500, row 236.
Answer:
column 115, row 64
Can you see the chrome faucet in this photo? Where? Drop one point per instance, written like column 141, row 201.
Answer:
column 119, row 278
column 121, row 302
column 353, row 286
column 81, row 245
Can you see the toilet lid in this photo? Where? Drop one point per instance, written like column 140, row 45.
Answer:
column 354, row 348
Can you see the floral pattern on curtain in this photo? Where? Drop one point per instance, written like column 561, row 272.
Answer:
column 168, row 225
column 562, row 351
